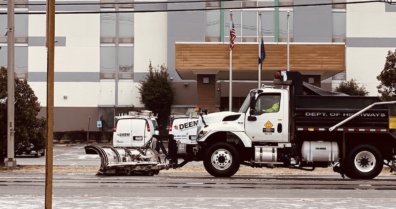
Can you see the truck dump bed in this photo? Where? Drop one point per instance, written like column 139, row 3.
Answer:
column 326, row 111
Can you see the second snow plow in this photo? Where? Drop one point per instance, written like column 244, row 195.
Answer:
column 146, row 160
column 128, row 161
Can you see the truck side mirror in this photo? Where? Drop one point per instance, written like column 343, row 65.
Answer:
column 250, row 117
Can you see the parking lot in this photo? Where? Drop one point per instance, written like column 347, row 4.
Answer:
column 63, row 154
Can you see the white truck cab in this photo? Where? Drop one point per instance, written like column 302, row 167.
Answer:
column 261, row 125
column 266, row 123
column 133, row 130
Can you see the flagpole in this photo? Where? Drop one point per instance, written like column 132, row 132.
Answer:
column 259, row 50
column 288, row 42
column 230, row 93
column 230, row 102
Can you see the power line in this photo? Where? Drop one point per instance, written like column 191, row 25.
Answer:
column 198, row 9
column 177, row 2
column 118, row 3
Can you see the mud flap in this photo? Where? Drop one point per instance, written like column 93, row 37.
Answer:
column 172, row 151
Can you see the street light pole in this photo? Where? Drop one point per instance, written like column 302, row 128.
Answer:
column 10, row 162
column 116, row 57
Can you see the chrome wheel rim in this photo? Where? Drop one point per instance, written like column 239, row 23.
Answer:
column 221, row 159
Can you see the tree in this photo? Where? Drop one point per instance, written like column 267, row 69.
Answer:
column 156, row 93
column 387, row 77
column 352, row 88
column 28, row 128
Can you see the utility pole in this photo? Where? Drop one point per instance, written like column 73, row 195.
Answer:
column 50, row 42
column 10, row 162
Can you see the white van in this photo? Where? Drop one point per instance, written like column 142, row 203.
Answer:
column 132, row 130
column 184, row 131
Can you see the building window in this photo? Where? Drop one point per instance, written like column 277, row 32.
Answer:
column 107, row 27
column 249, row 21
column 21, row 22
column 18, row 4
column 237, row 20
column 21, row 61
column 213, row 26
column 283, row 25
column 107, row 61
column 126, row 62
column 246, row 21
column 108, row 39
column 268, row 24
column 126, row 25
column 111, row 4
column 339, row 26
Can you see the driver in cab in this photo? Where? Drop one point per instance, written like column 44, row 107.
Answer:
column 271, row 103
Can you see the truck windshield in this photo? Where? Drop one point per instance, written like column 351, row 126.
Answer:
column 245, row 105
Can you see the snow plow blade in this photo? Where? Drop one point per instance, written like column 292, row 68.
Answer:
column 128, row 161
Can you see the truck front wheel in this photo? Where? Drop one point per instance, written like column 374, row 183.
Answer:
column 221, row 160
column 364, row 162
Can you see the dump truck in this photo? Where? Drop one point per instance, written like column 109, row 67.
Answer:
column 289, row 124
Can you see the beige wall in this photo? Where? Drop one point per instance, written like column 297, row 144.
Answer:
column 185, row 93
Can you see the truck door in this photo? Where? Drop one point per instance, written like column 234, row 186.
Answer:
column 268, row 123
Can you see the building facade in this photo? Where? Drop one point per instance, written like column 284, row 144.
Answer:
column 103, row 50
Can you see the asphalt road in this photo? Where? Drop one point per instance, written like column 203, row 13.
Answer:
column 196, row 190
column 188, row 189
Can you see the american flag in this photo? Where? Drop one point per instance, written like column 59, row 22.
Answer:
column 232, row 35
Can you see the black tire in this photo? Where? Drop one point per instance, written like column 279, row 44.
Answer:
column 221, row 160
column 39, row 153
column 364, row 162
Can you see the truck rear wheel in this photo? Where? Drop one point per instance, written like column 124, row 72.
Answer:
column 221, row 160
column 364, row 162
